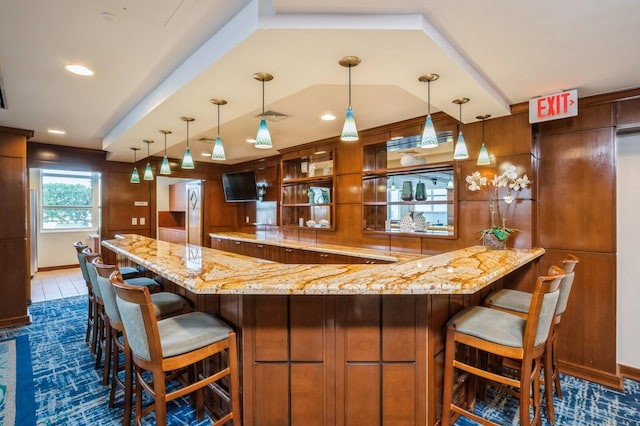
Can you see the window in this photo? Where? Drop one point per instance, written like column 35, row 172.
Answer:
column 68, row 200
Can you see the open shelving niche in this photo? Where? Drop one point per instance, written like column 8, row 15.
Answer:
column 308, row 190
column 391, row 167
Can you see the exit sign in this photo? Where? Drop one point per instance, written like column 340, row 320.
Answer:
column 553, row 106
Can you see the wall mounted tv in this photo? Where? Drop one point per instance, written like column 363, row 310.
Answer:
column 239, row 186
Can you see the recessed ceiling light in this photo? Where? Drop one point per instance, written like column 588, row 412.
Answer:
column 328, row 117
column 250, row 140
column 79, row 69
column 56, row 131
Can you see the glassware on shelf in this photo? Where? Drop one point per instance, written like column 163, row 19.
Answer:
column 407, row 191
column 420, row 192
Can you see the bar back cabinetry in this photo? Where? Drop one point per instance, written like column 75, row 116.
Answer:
column 308, row 190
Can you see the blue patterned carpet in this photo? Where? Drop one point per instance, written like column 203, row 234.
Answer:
column 68, row 388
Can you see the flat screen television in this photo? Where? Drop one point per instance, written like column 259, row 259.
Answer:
column 239, row 186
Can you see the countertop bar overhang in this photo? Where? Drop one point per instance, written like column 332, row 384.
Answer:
column 208, row 271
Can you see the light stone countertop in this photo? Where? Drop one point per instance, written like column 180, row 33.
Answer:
column 207, row 271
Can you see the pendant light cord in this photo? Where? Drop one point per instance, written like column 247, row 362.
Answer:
column 165, row 144
column 428, row 97
column 350, row 85
column 263, row 98
column 187, row 134
column 219, row 118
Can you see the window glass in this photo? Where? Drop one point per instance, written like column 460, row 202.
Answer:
column 67, row 200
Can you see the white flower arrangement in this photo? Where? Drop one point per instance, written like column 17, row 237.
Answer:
column 501, row 194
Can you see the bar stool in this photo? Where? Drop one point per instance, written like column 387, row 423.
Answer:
column 164, row 305
column 517, row 302
column 173, row 344
column 80, row 247
column 503, row 334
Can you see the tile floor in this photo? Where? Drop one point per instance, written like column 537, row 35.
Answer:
column 56, row 284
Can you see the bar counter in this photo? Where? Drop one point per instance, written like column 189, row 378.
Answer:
column 333, row 344
column 207, row 271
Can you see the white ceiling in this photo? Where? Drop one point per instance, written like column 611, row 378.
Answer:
column 158, row 60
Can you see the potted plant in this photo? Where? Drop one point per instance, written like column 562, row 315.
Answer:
column 501, row 192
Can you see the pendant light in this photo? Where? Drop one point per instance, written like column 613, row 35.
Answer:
column 429, row 138
column 349, row 130
column 187, row 160
column 460, row 152
column 165, row 168
column 135, row 177
column 218, row 148
column 148, row 173
column 483, row 157
column 263, row 138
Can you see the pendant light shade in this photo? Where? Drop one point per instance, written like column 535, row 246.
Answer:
column 165, row 168
column 349, row 130
column 429, row 137
column 135, row 177
column 263, row 137
column 187, row 160
column 483, row 157
column 218, row 148
column 148, row 173
column 460, row 152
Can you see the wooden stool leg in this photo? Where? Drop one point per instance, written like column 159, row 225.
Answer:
column 447, row 388
column 107, row 355
column 548, row 380
column 234, row 380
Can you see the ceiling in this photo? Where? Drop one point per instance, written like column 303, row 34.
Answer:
column 158, row 60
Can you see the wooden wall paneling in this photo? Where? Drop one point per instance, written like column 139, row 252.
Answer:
column 576, row 184
column 13, row 191
column 405, row 243
column 590, row 117
column 270, row 380
column 348, row 189
column 46, row 156
column 628, row 114
column 14, row 247
column 363, row 328
column 308, row 395
column 348, row 158
column 399, row 328
column 271, row 341
column 307, row 332
column 348, row 226
column 587, row 334
column 363, row 391
column 509, row 135
column 399, row 399
column 13, row 292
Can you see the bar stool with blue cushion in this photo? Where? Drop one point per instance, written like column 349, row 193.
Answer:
column 164, row 305
column 80, row 247
column 517, row 302
column 491, row 331
column 173, row 344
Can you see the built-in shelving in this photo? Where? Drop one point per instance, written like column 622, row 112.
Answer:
column 308, row 190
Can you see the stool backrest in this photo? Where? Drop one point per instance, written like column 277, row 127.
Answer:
column 542, row 309
column 82, row 261
column 568, row 265
column 106, row 289
column 138, row 319
column 89, row 257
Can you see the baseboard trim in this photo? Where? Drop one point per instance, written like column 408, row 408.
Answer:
column 613, row 381
column 632, row 373
column 10, row 322
column 54, row 268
